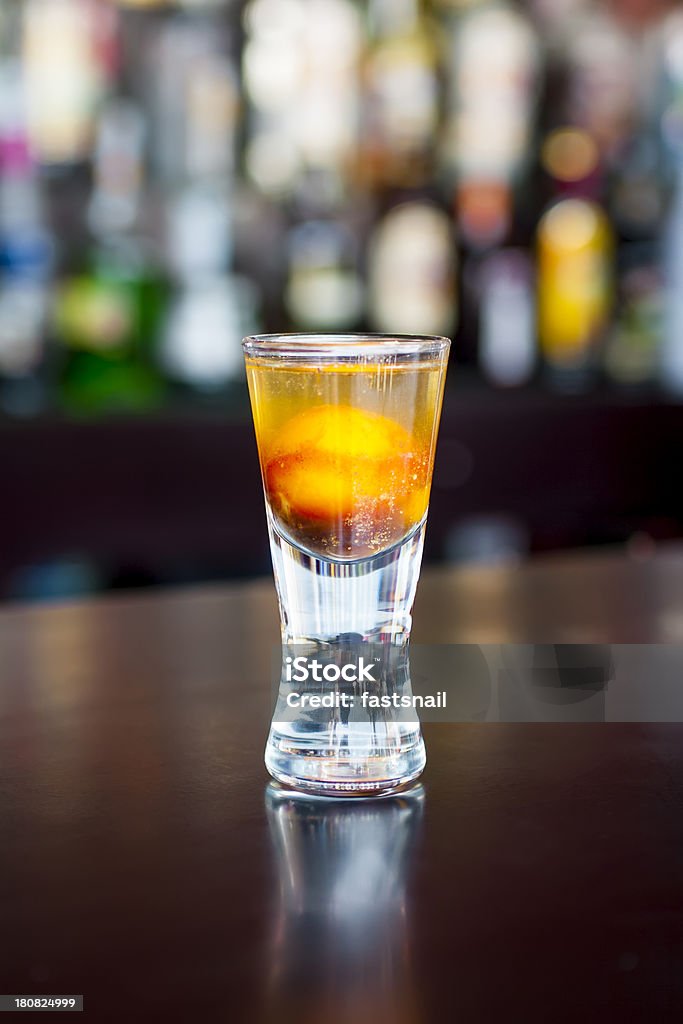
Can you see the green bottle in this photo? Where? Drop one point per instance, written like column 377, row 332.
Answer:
column 108, row 315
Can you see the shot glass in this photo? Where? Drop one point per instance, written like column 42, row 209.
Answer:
column 346, row 429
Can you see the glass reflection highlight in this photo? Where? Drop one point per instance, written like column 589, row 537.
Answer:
column 339, row 948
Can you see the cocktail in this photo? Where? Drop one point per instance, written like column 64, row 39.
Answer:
column 346, row 430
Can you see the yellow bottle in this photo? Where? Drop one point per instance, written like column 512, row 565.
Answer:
column 575, row 255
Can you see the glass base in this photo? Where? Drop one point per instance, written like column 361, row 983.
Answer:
column 365, row 769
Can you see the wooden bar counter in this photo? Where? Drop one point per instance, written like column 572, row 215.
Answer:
column 147, row 863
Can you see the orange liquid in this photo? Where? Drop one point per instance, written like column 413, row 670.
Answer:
column 346, row 450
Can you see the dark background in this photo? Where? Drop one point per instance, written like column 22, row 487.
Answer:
column 140, row 237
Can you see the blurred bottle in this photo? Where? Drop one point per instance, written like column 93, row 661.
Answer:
column 575, row 257
column 401, row 102
column 323, row 288
column 193, row 97
column 609, row 195
column 212, row 308
column 272, row 71
column 603, row 78
column 507, row 320
column 26, row 258
column 195, row 100
column 571, row 159
column 637, row 188
column 671, row 127
column 301, row 75
column 671, row 362
column 118, row 176
column 492, row 62
column 69, row 54
column 632, row 351
column 300, row 68
column 493, row 65
column 636, row 204
column 553, row 17
column 108, row 315
column 412, row 268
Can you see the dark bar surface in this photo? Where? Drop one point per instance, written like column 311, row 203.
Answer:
column 146, row 861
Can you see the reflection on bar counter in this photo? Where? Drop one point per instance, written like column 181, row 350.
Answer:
column 175, row 174
column 343, row 870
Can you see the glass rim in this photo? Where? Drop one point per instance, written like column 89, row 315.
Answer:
column 301, row 344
